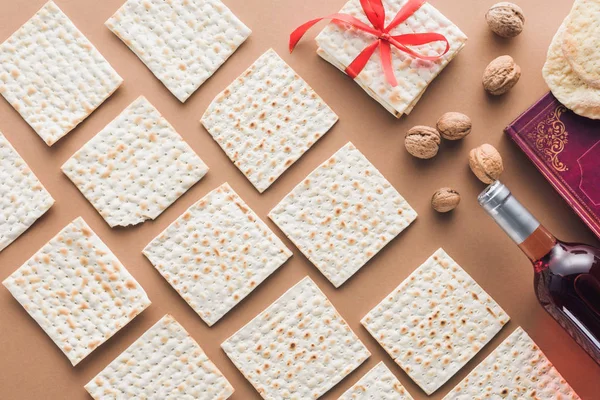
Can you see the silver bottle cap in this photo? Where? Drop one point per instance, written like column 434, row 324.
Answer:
column 513, row 218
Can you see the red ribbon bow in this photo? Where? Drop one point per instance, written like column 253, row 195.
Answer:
column 375, row 13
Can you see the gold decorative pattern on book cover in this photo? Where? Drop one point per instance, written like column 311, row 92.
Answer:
column 550, row 137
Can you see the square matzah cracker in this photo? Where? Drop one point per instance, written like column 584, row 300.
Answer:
column 216, row 253
column 77, row 291
column 23, row 198
column 135, row 167
column 164, row 363
column 183, row 42
column 52, row 75
column 378, row 384
column 517, row 369
column 298, row 348
column 267, row 119
column 340, row 45
column 342, row 214
column 435, row 321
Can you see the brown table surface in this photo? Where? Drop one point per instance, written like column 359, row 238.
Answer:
column 32, row 367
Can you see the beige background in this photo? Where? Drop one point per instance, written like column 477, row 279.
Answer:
column 31, row 367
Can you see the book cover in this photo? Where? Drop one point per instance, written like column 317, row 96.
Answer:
column 565, row 147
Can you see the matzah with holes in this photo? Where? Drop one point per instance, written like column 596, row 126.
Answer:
column 164, row 363
column 387, row 106
column 378, row 384
column 183, row 42
column 52, row 75
column 298, row 348
column 135, row 167
column 340, row 45
column 77, row 291
column 23, row 198
column 342, row 214
column 517, row 369
column 435, row 321
column 216, row 253
column 267, row 119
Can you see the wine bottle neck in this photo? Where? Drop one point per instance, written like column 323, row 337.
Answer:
column 538, row 244
column 518, row 223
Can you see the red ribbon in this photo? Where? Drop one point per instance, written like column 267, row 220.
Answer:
column 375, row 13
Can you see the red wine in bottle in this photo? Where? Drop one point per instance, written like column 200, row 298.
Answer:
column 567, row 275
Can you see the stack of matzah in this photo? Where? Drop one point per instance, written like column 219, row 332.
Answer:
column 183, row 42
column 216, row 253
column 435, row 321
column 23, row 198
column 517, row 369
column 52, row 75
column 267, row 119
column 77, row 291
column 342, row 214
column 135, row 167
column 164, row 363
column 339, row 45
column 378, row 384
column 572, row 68
column 298, row 348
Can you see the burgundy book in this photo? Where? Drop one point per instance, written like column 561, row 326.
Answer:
column 565, row 147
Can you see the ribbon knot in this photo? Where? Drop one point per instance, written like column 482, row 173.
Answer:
column 385, row 36
column 375, row 13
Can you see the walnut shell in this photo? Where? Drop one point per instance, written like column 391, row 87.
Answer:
column 486, row 163
column 422, row 141
column 454, row 125
column 501, row 75
column 445, row 199
column 505, row 19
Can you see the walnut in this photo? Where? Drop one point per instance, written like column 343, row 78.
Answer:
column 454, row 125
column 486, row 163
column 501, row 75
column 505, row 19
column 422, row 141
column 445, row 199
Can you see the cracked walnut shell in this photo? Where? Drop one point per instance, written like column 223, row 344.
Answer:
column 422, row 141
column 501, row 75
column 486, row 163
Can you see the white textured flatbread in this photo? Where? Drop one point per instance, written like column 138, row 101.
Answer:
column 375, row 96
column 342, row 214
column 164, row 363
column 135, row 167
column 580, row 41
column 52, row 75
column 298, row 348
column 267, row 119
column 77, row 291
column 216, row 253
column 517, row 369
column 565, row 84
column 342, row 45
column 183, row 42
column 378, row 384
column 23, row 198
column 435, row 321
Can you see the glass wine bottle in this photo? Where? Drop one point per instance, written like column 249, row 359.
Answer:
column 567, row 275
